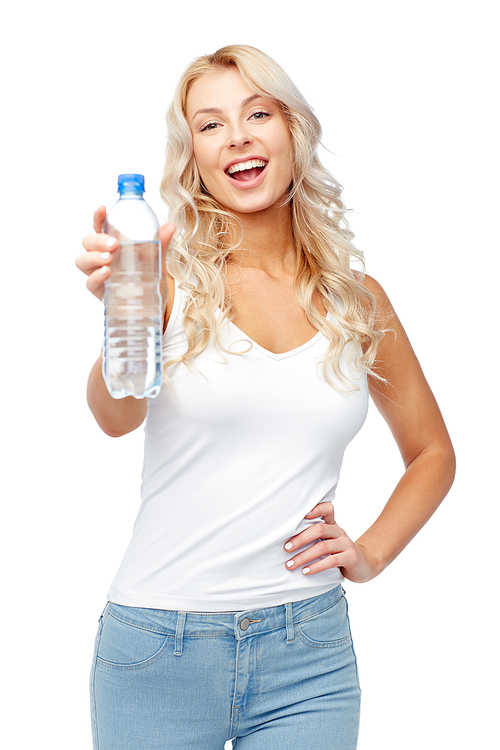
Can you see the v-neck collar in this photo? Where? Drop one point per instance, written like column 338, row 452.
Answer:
column 276, row 355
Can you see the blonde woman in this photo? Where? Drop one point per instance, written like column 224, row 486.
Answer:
column 227, row 618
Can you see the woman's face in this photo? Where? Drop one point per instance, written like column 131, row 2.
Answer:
column 242, row 144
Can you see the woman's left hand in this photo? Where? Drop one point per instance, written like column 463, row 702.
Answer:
column 353, row 559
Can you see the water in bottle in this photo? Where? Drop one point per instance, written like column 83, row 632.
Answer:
column 132, row 363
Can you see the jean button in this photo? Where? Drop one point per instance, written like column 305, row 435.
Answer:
column 244, row 623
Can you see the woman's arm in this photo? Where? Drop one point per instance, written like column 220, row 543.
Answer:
column 407, row 404
column 116, row 417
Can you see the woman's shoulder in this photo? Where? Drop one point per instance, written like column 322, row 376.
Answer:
column 370, row 283
column 377, row 300
column 170, row 300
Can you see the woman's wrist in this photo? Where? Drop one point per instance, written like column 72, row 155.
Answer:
column 374, row 563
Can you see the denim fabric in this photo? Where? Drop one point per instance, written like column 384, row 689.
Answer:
column 278, row 678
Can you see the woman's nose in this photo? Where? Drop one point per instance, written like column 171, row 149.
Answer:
column 238, row 137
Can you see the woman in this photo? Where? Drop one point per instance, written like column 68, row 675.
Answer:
column 227, row 618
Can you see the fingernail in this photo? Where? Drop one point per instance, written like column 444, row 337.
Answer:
column 103, row 270
column 105, row 256
column 110, row 242
column 290, row 564
column 289, row 546
column 306, row 571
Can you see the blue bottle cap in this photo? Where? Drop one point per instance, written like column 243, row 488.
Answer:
column 131, row 183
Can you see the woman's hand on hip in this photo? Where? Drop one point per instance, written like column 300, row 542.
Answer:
column 329, row 539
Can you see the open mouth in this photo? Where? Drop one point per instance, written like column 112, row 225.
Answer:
column 246, row 170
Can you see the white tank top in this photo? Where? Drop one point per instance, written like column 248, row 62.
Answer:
column 235, row 456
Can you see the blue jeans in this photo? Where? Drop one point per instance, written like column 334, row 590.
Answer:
column 278, row 678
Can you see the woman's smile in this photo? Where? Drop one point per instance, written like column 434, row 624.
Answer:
column 241, row 141
column 247, row 174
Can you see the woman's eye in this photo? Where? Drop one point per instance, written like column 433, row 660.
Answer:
column 209, row 126
column 260, row 115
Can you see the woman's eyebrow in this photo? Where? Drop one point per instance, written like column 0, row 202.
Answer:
column 217, row 111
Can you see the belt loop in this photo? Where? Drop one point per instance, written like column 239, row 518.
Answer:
column 290, row 635
column 179, row 633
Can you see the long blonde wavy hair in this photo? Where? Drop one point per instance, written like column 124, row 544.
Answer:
column 199, row 253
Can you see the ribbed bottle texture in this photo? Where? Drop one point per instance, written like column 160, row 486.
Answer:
column 132, row 364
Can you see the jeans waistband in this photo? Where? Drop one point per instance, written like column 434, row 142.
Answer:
column 240, row 625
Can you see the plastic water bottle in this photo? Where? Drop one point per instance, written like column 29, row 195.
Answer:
column 132, row 301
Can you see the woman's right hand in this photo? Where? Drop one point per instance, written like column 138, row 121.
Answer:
column 97, row 259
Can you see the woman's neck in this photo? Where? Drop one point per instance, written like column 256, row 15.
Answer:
column 267, row 241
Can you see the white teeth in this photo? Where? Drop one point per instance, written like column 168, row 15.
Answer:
column 246, row 165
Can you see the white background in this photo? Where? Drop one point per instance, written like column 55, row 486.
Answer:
column 408, row 94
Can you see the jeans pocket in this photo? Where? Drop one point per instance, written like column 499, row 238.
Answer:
column 124, row 645
column 327, row 629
